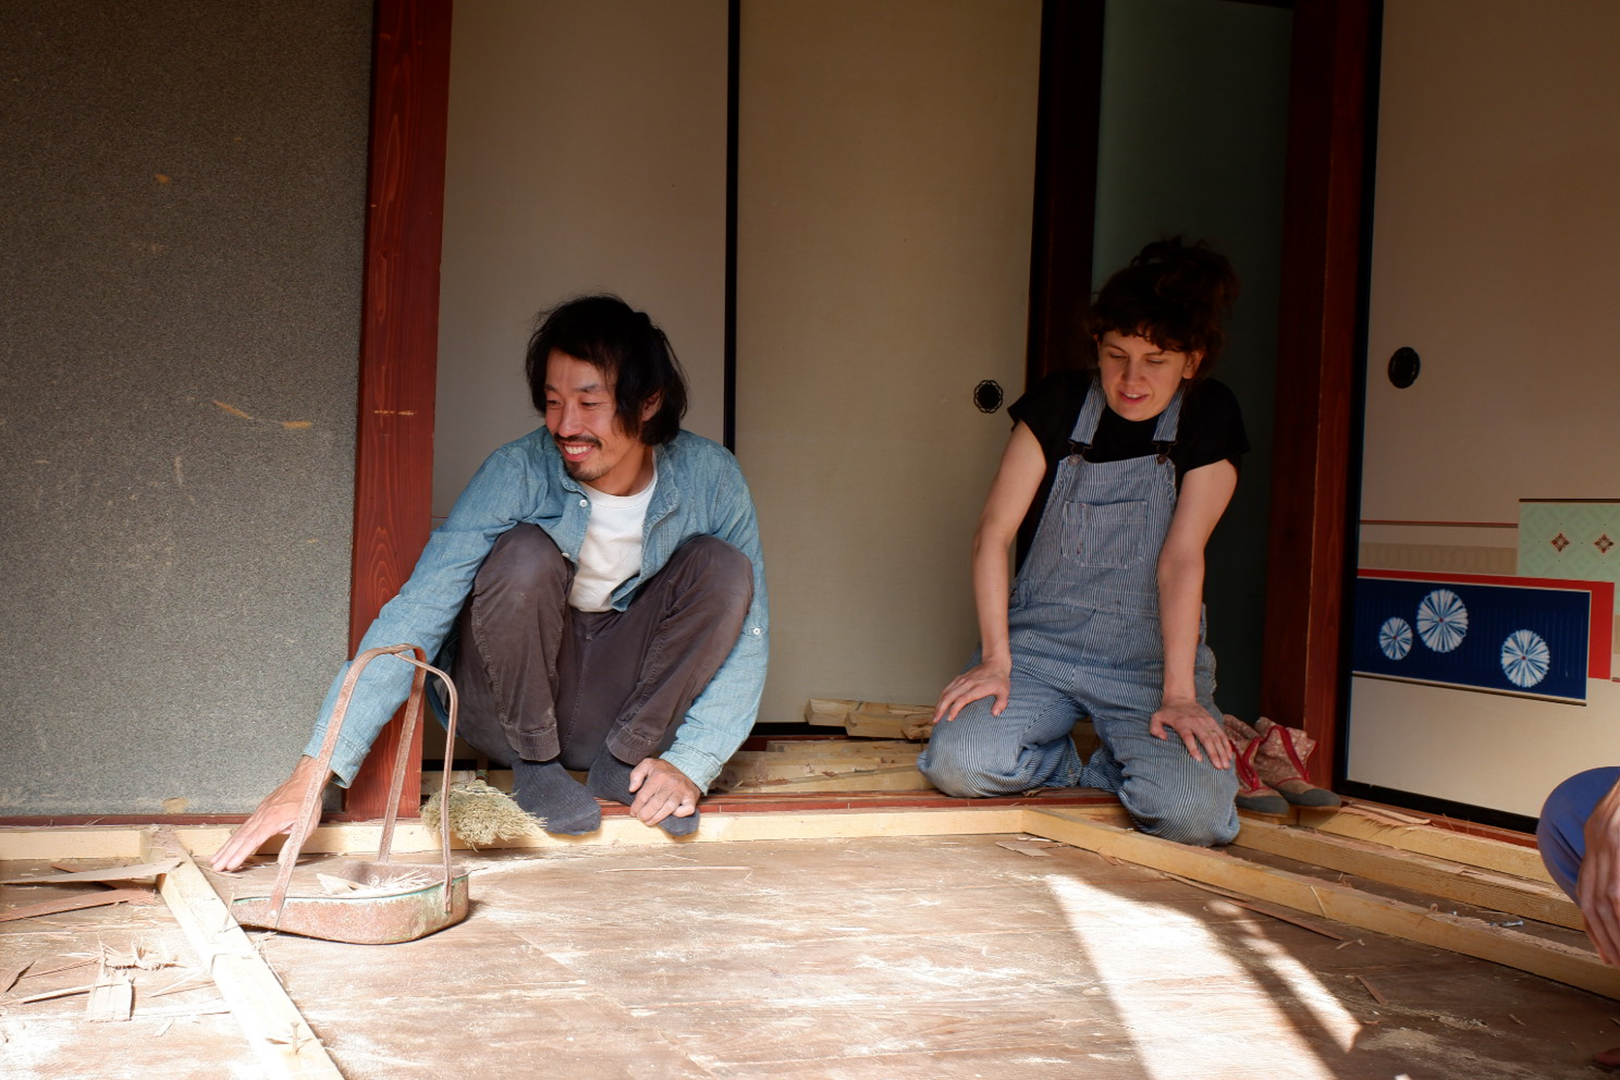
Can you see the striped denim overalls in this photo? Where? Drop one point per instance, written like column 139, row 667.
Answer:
column 1083, row 624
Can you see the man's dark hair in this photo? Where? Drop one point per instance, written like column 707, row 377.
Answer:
column 1175, row 294
column 622, row 343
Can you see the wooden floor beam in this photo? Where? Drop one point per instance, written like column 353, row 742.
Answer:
column 1410, row 870
column 1471, row 937
column 274, row 1027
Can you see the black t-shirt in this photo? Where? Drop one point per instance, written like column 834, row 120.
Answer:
column 1210, row 430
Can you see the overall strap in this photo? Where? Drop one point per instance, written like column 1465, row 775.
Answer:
column 1085, row 425
column 1164, row 433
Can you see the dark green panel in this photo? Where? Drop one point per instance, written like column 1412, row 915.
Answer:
column 1193, row 137
column 182, row 200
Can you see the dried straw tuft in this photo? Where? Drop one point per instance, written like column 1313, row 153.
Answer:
column 481, row 815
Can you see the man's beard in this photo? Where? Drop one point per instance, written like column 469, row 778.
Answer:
column 579, row 470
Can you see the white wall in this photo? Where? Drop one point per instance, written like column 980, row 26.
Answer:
column 586, row 152
column 1496, row 222
column 886, row 187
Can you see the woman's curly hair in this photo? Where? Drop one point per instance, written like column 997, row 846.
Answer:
column 1175, row 294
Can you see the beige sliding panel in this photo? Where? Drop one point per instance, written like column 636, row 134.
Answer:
column 1490, row 501
column 885, row 194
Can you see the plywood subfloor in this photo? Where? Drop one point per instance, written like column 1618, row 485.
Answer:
column 937, row 958
column 183, row 1035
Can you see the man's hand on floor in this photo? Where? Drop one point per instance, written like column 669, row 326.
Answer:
column 277, row 814
column 661, row 790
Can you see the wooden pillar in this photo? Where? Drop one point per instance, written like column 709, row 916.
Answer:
column 399, row 338
column 1320, row 336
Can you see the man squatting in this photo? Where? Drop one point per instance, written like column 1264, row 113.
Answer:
column 597, row 594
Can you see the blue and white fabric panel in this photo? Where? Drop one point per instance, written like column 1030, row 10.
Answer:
column 1503, row 639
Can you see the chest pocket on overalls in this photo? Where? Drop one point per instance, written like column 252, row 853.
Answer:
column 1107, row 535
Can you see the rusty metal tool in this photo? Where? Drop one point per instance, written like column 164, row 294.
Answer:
column 390, row 903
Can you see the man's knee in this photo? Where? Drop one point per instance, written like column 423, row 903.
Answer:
column 525, row 561
column 716, row 570
column 1560, row 831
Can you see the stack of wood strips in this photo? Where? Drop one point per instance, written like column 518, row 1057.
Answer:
column 830, row 764
column 871, row 719
column 875, row 749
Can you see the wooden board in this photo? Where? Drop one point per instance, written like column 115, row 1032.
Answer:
column 43, row 844
column 884, row 778
column 1421, row 838
column 823, row 749
column 274, row 1027
column 871, row 719
column 1471, row 937
column 753, row 766
column 1436, row 877
column 827, row 712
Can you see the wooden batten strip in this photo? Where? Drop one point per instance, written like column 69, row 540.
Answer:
column 46, row 843
column 107, row 873
column 1424, row 839
column 1410, row 870
column 1471, row 937
column 882, row 778
column 820, row 749
column 274, row 1027
column 63, row 904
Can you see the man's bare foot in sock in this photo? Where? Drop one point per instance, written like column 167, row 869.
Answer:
column 562, row 804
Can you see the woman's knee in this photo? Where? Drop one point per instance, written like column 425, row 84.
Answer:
column 1200, row 813
column 964, row 767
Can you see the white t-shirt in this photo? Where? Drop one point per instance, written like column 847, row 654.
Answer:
column 611, row 552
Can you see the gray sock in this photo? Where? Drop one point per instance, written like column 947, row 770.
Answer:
column 609, row 778
column 562, row 804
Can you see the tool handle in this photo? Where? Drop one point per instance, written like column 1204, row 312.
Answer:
column 303, row 826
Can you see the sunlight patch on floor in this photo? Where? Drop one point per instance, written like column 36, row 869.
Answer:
column 1190, row 1006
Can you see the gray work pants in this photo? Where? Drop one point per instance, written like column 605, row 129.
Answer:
column 538, row 680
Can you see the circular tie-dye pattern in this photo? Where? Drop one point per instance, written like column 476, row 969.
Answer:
column 1442, row 620
column 1525, row 658
column 1395, row 637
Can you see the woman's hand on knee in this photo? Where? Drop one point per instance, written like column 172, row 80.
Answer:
column 1196, row 727
column 986, row 679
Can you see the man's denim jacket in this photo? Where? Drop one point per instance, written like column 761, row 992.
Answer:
column 700, row 492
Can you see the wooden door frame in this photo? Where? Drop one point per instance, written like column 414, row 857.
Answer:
column 1066, row 134
column 399, row 341
column 1319, row 345
column 1320, row 329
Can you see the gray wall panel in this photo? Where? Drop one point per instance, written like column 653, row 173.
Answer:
column 182, row 199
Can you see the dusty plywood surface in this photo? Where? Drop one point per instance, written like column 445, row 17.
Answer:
column 934, row 957
column 187, row 1034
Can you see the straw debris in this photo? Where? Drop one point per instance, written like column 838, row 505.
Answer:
column 481, row 815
